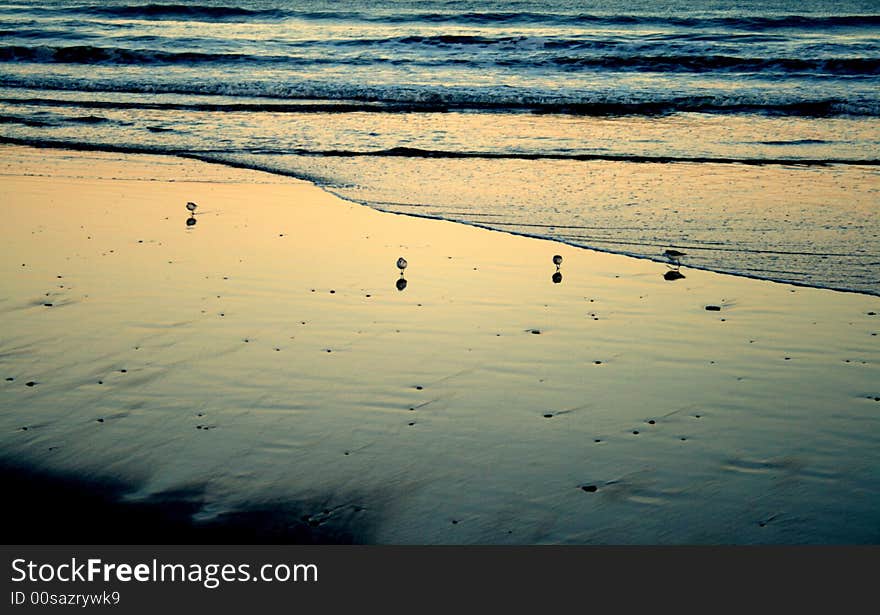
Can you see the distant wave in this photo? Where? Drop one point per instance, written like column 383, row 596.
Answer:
column 87, row 54
column 195, row 12
column 411, row 152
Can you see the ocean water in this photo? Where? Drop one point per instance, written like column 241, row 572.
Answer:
column 745, row 134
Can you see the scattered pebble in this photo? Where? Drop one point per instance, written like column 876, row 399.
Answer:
column 536, row 332
column 419, row 387
column 30, row 384
column 100, row 420
column 713, row 308
column 10, row 379
column 590, row 488
column 635, row 432
column 652, row 422
column 548, row 416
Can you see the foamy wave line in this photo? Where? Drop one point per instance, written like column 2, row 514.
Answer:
column 411, row 152
column 87, row 54
column 417, row 98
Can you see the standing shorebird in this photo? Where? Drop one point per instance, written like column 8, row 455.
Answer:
column 674, row 255
column 401, row 264
column 191, row 207
column 557, row 260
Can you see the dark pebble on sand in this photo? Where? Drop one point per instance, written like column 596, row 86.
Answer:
column 713, row 308
column 123, row 371
column 635, row 432
column 455, row 522
column 47, row 304
column 332, row 292
column 328, row 350
column 419, row 387
column 548, row 416
column 652, row 422
column 24, row 428
column 536, row 332
column 30, row 384
column 597, row 440
column 411, row 424
column 598, row 362
column 872, row 313
column 100, row 420
column 10, row 379
column 590, row 488
column 100, row 382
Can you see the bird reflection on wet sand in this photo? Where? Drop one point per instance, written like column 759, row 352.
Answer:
column 191, row 208
column 557, row 276
column 401, row 281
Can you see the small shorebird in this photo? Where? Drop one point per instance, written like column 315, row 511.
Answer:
column 401, row 264
column 674, row 255
column 191, row 206
column 557, row 260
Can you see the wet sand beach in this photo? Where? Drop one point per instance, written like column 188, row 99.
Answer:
column 263, row 375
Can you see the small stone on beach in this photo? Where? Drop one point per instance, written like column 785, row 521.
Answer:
column 713, row 308
column 590, row 488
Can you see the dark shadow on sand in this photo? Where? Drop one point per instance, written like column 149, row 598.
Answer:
column 42, row 507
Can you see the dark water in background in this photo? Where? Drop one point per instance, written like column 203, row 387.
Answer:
column 744, row 133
